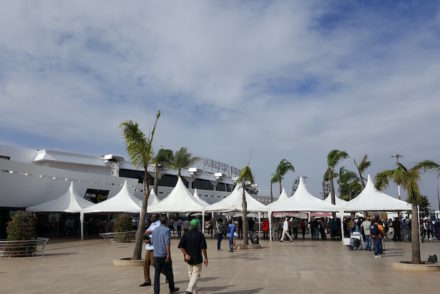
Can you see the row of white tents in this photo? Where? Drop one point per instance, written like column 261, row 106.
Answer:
column 180, row 200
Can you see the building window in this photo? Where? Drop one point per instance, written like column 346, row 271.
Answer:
column 135, row 174
column 202, row 184
column 95, row 195
column 221, row 187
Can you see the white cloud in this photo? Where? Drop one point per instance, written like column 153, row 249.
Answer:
column 230, row 78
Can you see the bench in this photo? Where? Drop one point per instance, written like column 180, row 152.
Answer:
column 22, row 248
column 119, row 236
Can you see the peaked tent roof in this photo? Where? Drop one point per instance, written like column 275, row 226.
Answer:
column 179, row 200
column 283, row 197
column 200, row 200
column 302, row 200
column 372, row 199
column 233, row 202
column 338, row 201
column 68, row 202
column 124, row 201
column 153, row 199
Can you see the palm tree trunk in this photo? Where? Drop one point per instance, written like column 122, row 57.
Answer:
column 178, row 172
column 244, row 218
column 415, row 241
column 271, row 194
column 137, row 252
column 156, row 177
column 323, row 190
column 332, row 190
column 280, row 187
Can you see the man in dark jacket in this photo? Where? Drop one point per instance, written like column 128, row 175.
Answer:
column 193, row 245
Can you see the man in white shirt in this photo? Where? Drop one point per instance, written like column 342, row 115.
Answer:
column 149, row 253
column 366, row 225
column 286, row 230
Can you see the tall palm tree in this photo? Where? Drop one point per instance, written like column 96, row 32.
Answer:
column 139, row 150
column 363, row 165
column 333, row 158
column 408, row 178
column 273, row 179
column 346, row 182
column 283, row 167
column 163, row 158
column 245, row 178
column 183, row 159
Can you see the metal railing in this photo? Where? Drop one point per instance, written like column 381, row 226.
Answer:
column 22, row 248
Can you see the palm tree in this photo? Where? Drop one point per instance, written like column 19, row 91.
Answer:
column 333, row 158
column 363, row 165
column 283, row 167
column 273, row 179
column 245, row 178
column 139, row 150
column 408, row 178
column 347, row 181
column 163, row 158
column 183, row 159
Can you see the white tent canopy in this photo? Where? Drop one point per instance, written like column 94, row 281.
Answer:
column 153, row 199
column 372, row 199
column 179, row 200
column 302, row 200
column 124, row 201
column 283, row 197
column 338, row 201
column 199, row 200
column 69, row 202
column 233, row 202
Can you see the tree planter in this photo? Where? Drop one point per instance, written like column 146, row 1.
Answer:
column 127, row 261
column 408, row 266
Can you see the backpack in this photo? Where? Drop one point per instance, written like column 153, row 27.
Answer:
column 374, row 230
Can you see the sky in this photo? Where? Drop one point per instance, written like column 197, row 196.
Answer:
column 234, row 80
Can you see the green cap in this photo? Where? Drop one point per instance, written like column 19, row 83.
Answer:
column 194, row 223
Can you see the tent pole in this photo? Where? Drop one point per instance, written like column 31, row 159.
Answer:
column 203, row 221
column 81, row 220
column 341, row 216
column 259, row 224
column 270, row 225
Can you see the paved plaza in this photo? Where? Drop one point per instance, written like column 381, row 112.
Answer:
column 289, row 267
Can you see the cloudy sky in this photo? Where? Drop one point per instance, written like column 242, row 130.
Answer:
column 233, row 80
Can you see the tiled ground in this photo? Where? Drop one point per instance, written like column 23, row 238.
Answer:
column 289, row 267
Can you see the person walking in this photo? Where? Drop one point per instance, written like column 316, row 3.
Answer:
column 149, row 250
column 377, row 232
column 286, row 230
column 265, row 229
column 193, row 245
column 231, row 232
column 220, row 231
column 161, row 239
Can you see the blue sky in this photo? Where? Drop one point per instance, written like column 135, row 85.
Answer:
column 278, row 79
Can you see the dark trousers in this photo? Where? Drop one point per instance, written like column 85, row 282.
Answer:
column 162, row 265
column 378, row 246
column 219, row 240
column 295, row 233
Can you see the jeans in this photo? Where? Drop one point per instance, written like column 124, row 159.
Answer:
column 367, row 243
column 378, row 246
column 231, row 243
column 219, row 240
column 161, row 264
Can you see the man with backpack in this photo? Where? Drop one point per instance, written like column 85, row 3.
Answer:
column 377, row 233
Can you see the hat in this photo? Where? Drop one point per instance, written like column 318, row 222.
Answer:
column 194, row 223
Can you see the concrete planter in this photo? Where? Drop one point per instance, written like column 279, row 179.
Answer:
column 127, row 261
column 424, row 267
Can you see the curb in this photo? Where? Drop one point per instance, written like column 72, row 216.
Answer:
column 415, row 267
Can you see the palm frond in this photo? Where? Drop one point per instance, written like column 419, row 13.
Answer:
column 245, row 176
column 383, row 179
column 335, row 156
column 428, row 165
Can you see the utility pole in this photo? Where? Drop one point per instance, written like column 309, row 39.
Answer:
column 397, row 156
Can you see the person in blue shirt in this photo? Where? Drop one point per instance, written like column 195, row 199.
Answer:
column 161, row 240
column 231, row 231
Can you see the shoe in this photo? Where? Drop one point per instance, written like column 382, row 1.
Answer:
column 291, row 241
column 145, row 284
column 281, row 241
column 176, row 289
column 188, row 292
column 231, row 250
